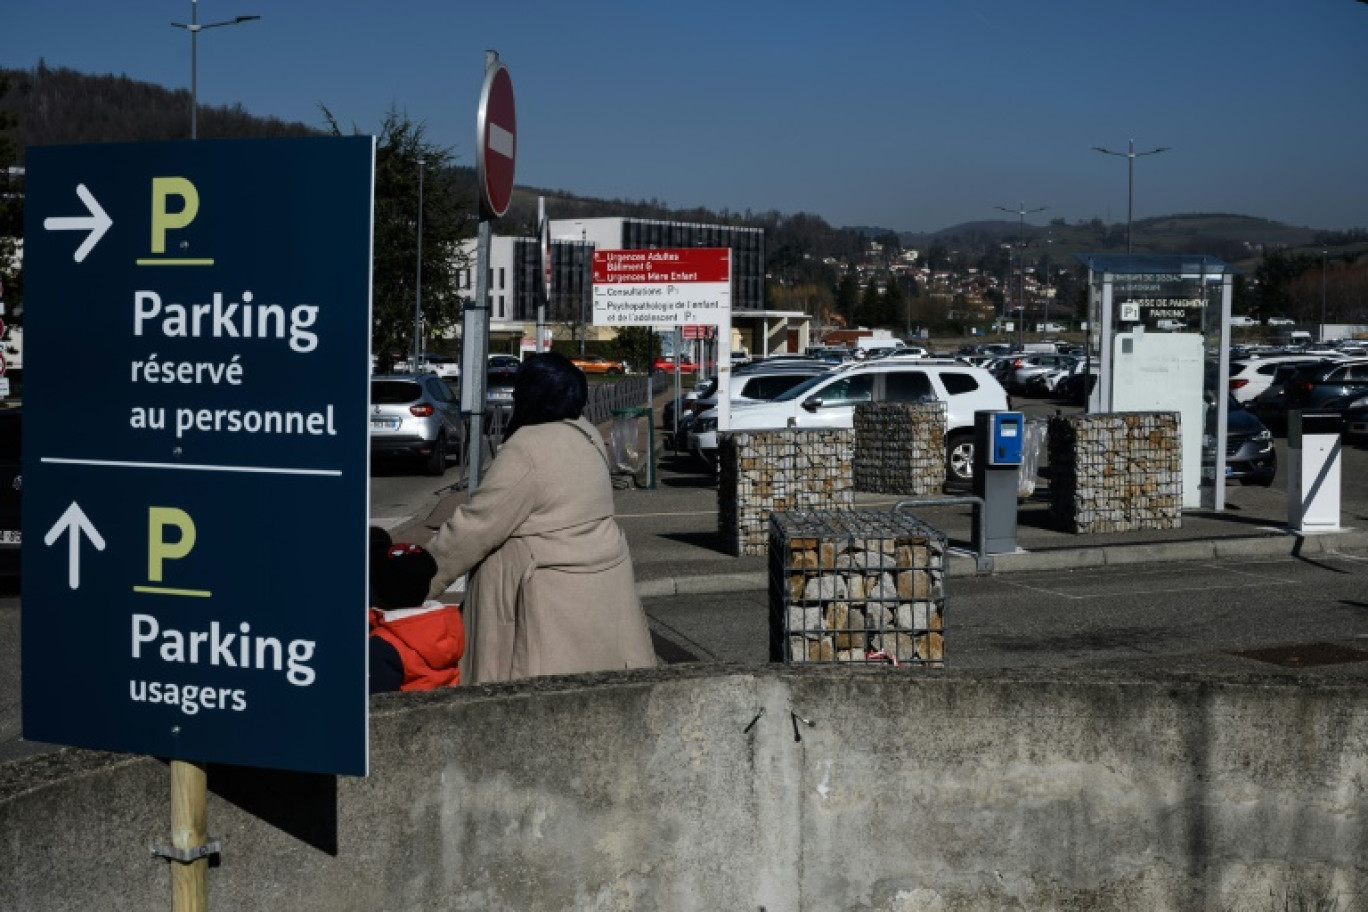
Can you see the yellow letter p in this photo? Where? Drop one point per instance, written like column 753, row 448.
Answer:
column 163, row 188
column 158, row 548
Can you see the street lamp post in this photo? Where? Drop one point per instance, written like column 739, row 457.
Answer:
column 1021, row 265
column 1325, row 259
column 584, row 324
column 1130, row 195
column 418, row 281
column 194, row 28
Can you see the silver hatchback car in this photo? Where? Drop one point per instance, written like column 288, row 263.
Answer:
column 415, row 416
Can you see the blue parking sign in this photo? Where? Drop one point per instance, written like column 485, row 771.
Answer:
column 196, row 458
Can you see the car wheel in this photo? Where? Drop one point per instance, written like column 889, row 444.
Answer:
column 959, row 457
column 612, row 371
column 437, row 459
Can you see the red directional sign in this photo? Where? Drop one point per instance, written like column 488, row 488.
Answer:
column 498, row 141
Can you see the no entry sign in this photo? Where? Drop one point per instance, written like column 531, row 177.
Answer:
column 498, row 141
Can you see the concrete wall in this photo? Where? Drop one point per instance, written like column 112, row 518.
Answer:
column 669, row 790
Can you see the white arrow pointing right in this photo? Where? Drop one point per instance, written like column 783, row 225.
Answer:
column 74, row 521
column 97, row 223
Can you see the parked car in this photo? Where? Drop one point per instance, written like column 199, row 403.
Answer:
column 831, row 354
column 1251, row 376
column 1355, row 421
column 11, row 486
column 759, row 385
column 785, row 362
column 1045, row 383
column 415, row 416
column 597, row 364
column 904, row 351
column 504, row 361
column 499, row 386
column 681, row 405
column 829, row 400
column 445, row 366
column 1077, row 385
column 1026, row 366
column 667, row 366
column 1330, row 387
column 1271, row 404
column 1251, row 457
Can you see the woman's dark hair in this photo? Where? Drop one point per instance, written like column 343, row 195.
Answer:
column 547, row 388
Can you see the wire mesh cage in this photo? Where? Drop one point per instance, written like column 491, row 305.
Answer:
column 1116, row 472
column 856, row 587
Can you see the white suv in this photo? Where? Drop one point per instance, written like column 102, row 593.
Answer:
column 829, row 401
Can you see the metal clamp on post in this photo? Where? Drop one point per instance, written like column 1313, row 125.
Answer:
column 983, row 560
column 186, row 856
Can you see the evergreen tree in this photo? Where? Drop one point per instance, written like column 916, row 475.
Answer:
column 893, row 306
column 848, row 298
column 870, row 308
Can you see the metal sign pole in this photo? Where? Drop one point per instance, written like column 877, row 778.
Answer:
column 546, row 274
column 475, row 355
column 496, row 131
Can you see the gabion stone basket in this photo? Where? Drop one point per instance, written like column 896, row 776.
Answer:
column 856, row 587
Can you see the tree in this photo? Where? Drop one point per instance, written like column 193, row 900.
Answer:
column 893, row 305
column 1275, row 275
column 638, row 346
column 447, row 222
column 848, row 297
column 868, row 311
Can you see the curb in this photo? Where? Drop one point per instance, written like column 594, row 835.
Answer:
column 1285, row 544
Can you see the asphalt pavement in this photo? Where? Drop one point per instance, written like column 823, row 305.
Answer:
column 1248, row 566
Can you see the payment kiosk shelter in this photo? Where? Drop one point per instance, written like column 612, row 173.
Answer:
column 1159, row 333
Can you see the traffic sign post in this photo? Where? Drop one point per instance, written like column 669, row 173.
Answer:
column 496, row 128
column 194, row 577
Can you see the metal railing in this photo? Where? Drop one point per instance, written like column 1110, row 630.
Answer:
column 629, row 392
column 604, row 399
column 983, row 560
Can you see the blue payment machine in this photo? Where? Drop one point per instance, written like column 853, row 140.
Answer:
column 1005, row 432
column 997, row 461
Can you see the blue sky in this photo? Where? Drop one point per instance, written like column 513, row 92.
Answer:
column 905, row 115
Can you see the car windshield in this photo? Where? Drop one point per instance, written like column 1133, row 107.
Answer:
column 799, row 391
column 394, row 392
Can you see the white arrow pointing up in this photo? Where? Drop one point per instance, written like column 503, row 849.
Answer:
column 97, row 223
column 74, row 521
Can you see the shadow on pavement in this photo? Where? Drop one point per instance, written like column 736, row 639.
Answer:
column 710, row 541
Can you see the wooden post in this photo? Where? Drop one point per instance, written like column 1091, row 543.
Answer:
column 189, row 830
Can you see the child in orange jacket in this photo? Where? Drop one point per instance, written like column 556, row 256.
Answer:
column 414, row 644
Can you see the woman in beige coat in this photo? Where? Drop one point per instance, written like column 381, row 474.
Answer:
column 551, row 587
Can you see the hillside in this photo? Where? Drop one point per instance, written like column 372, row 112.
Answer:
column 55, row 105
